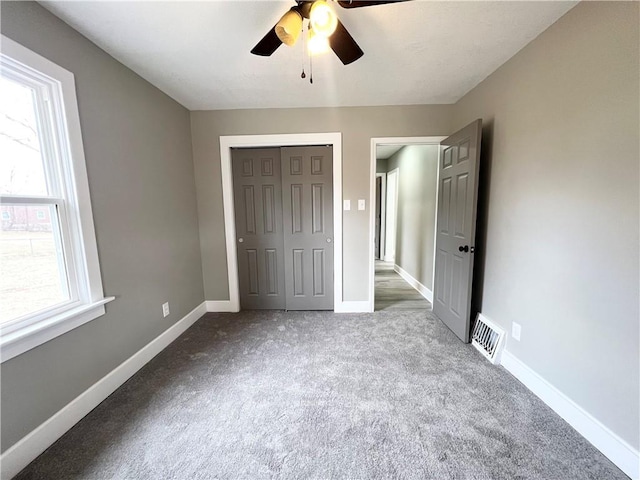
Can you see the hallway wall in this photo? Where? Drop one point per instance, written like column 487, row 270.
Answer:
column 418, row 167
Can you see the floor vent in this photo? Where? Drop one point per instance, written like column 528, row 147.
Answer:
column 488, row 338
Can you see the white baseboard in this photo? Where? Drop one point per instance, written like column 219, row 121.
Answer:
column 611, row 445
column 353, row 307
column 222, row 306
column 33, row 444
column 341, row 307
column 422, row 290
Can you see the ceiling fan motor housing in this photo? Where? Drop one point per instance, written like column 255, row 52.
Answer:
column 289, row 27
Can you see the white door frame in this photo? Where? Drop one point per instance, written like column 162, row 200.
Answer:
column 392, row 207
column 279, row 140
column 372, row 192
column 383, row 211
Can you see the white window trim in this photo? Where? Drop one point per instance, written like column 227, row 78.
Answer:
column 20, row 335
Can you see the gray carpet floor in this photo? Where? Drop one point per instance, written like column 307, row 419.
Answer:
column 392, row 292
column 315, row 395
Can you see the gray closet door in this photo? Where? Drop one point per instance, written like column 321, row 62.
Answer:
column 456, row 228
column 307, row 197
column 257, row 190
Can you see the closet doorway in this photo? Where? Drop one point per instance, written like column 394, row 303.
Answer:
column 333, row 270
column 284, row 227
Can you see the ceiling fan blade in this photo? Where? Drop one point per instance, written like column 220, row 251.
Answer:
column 269, row 44
column 344, row 46
column 365, row 3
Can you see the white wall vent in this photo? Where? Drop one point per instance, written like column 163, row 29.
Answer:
column 488, row 338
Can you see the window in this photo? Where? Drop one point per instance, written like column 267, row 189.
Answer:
column 50, row 279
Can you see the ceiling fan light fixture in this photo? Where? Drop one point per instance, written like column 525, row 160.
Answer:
column 318, row 44
column 289, row 27
column 322, row 18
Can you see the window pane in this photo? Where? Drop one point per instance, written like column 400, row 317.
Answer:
column 31, row 259
column 21, row 167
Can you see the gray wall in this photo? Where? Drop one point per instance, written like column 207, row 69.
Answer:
column 382, row 165
column 357, row 124
column 138, row 150
column 561, row 208
column 415, row 225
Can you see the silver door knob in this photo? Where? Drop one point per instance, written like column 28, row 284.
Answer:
column 328, row 240
column 241, row 240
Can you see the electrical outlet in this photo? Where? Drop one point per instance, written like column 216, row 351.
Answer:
column 361, row 205
column 347, row 204
column 516, row 329
column 165, row 309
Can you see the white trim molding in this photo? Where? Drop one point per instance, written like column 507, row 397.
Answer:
column 279, row 140
column 383, row 212
column 220, row 306
column 354, row 307
column 610, row 444
column 33, row 444
column 27, row 337
column 391, row 210
column 372, row 197
column 422, row 290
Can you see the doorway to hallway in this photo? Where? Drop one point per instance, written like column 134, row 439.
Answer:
column 405, row 223
column 394, row 293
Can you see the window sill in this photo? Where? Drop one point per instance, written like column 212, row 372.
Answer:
column 31, row 336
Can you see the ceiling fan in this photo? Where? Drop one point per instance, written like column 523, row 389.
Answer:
column 325, row 29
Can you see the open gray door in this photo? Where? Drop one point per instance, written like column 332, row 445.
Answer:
column 456, row 228
column 307, row 197
column 258, row 210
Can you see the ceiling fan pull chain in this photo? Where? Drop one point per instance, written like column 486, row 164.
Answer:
column 304, row 43
column 309, row 54
column 310, row 59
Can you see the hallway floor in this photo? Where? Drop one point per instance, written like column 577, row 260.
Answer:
column 394, row 293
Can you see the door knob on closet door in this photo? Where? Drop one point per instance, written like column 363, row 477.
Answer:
column 329, row 240
column 463, row 249
column 240, row 240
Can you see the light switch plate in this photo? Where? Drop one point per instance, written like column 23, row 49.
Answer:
column 347, row 204
column 362, row 205
column 516, row 330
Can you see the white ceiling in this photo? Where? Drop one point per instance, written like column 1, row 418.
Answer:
column 418, row 52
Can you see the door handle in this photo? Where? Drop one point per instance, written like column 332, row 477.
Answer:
column 463, row 249
column 329, row 240
column 240, row 240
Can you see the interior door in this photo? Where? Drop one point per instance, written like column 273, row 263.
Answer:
column 259, row 233
column 456, row 228
column 307, row 188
